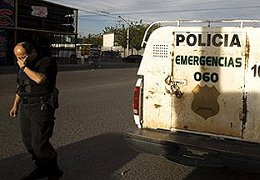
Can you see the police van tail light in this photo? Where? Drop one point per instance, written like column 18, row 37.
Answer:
column 138, row 97
column 136, row 100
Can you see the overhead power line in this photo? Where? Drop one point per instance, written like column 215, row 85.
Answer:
column 115, row 15
column 189, row 10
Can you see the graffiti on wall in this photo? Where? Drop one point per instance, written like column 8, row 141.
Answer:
column 7, row 13
column 3, row 48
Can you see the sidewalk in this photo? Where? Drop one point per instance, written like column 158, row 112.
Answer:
column 75, row 67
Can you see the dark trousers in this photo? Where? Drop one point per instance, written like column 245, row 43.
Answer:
column 37, row 123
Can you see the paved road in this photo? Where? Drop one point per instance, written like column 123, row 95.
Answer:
column 95, row 110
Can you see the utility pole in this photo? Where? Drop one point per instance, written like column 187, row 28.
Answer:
column 127, row 34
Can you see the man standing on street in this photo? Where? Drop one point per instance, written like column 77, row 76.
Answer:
column 36, row 104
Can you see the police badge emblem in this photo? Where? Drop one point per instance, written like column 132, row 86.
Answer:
column 205, row 101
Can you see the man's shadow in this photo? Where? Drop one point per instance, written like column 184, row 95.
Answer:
column 95, row 158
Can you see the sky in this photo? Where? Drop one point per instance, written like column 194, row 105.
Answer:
column 95, row 15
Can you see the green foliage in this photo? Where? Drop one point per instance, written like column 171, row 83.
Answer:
column 109, row 30
column 92, row 39
column 136, row 33
column 136, row 36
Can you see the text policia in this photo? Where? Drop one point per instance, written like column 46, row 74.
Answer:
column 208, row 40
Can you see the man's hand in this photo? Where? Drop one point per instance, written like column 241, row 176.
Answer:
column 13, row 112
column 20, row 63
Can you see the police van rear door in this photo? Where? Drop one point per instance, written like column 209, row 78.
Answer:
column 208, row 80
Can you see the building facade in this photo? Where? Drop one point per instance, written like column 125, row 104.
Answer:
column 35, row 21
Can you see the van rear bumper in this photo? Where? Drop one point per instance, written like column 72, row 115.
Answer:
column 196, row 150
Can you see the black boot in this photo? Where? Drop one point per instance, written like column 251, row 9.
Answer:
column 54, row 172
column 38, row 173
column 55, row 175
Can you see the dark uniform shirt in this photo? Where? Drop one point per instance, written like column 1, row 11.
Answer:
column 29, row 88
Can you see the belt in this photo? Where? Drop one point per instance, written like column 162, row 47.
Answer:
column 33, row 100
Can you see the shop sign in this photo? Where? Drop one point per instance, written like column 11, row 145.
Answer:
column 39, row 11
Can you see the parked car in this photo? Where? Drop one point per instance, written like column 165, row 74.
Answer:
column 133, row 58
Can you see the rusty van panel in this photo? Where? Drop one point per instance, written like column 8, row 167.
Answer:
column 212, row 60
column 155, row 66
column 207, row 82
column 251, row 126
column 157, row 104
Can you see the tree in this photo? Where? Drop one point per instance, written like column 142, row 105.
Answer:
column 135, row 39
column 136, row 33
column 136, row 36
column 96, row 39
column 110, row 30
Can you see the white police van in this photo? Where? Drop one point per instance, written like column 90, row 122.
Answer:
column 197, row 97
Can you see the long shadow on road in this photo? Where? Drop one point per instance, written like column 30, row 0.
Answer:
column 95, row 158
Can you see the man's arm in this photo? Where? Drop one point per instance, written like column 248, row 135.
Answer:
column 33, row 75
